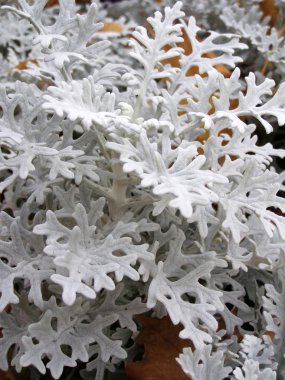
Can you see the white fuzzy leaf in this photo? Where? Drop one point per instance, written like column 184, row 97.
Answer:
column 193, row 315
column 203, row 364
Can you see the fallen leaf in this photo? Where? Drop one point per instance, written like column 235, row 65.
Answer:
column 23, row 65
column 162, row 345
column 112, row 27
column 51, row 3
column 269, row 8
column 6, row 375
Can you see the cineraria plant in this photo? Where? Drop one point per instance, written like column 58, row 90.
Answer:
column 133, row 181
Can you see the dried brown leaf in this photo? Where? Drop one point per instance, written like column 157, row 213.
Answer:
column 162, row 345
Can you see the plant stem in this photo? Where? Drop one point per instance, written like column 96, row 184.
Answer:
column 118, row 192
column 264, row 67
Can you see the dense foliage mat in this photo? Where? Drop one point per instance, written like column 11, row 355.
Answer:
column 141, row 196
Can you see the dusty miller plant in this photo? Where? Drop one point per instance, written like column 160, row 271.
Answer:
column 130, row 185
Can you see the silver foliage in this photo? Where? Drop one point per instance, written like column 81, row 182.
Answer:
column 133, row 180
